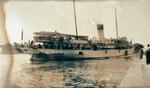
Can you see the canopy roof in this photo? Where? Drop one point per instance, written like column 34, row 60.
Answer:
column 44, row 33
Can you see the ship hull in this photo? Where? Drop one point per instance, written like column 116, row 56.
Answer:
column 51, row 54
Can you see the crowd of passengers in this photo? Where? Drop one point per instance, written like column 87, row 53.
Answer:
column 67, row 46
column 76, row 46
column 72, row 46
column 59, row 43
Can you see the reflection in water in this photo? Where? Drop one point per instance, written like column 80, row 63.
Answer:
column 87, row 73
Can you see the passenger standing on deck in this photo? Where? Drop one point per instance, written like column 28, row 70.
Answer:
column 141, row 54
column 147, row 53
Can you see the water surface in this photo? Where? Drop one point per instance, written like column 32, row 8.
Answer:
column 51, row 74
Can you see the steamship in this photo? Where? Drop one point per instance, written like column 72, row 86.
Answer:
column 60, row 46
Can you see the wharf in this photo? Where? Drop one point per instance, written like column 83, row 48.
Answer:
column 138, row 75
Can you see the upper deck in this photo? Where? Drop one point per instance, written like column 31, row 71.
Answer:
column 54, row 36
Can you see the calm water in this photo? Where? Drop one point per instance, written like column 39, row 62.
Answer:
column 68, row 74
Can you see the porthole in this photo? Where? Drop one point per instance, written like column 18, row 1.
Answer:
column 81, row 53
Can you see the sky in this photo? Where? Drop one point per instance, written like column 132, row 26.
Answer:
column 133, row 18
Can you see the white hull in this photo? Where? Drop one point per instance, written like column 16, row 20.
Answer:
column 51, row 54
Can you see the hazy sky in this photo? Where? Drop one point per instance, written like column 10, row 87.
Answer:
column 133, row 18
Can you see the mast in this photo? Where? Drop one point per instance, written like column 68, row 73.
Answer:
column 75, row 20
column 116, row 24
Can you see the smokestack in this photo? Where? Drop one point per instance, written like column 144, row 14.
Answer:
column 100, row 30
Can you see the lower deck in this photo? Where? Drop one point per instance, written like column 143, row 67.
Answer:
column 50, row 54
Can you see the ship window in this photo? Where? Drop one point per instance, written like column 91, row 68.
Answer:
column 80, row 53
